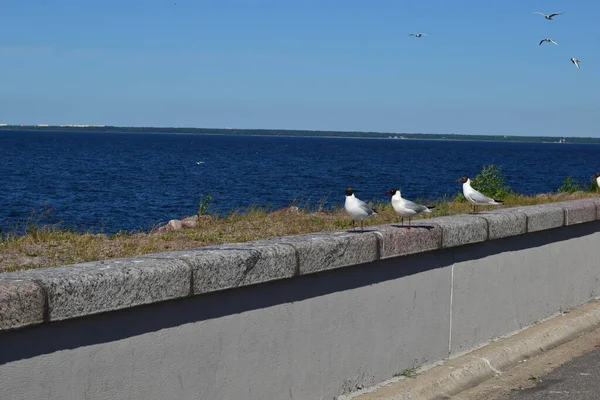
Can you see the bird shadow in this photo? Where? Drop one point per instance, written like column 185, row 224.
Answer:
column 361, row 230
column 428, row 227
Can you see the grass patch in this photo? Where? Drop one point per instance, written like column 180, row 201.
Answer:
column 407, row 373
column 47, row 246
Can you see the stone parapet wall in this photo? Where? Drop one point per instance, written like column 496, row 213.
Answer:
column 53, row 294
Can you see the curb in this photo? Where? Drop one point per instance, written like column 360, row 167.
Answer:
column 470, row 369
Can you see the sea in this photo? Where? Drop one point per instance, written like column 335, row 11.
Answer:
column 111, row 182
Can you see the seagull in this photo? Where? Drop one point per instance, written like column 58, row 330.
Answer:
column 475, row 197
column 548, row 16
column 357, row 209
column 405, row 208
column 575, row 61
column 597, row 177
column 417, row 34
column 548, row 40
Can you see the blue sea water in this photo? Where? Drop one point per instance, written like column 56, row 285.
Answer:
column 120, row 181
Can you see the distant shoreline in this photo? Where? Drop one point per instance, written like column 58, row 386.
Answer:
column 309, row 134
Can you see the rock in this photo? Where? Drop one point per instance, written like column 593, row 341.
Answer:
column 287, row 210
column 174, row 225
column 189, row 222
column 186, row 223
column 195, row 221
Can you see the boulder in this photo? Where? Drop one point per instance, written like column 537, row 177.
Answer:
column 174, row 225
column 186, row 223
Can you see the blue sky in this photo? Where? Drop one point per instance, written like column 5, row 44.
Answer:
column 311, row 64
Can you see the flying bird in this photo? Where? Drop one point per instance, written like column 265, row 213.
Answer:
column 475, row 197
column 575, row 61
column 405, row 208
column 548, row 40
column 549, row 16
column 357, row 209
column 417, row 34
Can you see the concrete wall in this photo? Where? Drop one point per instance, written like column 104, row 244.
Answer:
column 302, row 317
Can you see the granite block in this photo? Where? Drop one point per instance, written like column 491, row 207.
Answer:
column 330, row 250
column 503, row 224
column 397, row 240
column 21, row 303
column 233, row 265
column 95, row 287
column 579, row 211
column 458, row 230
column 541, row 217
column 596, row 201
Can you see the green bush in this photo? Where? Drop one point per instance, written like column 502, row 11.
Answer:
column 569, row 186
column 490, row 182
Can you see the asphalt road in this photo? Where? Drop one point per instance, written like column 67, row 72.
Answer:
column 578, row 379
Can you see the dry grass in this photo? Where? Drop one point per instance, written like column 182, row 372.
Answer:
column 47, row 246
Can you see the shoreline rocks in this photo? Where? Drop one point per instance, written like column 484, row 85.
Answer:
column 185, row 223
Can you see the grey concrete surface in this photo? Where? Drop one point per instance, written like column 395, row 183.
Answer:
column 514, row 282
column 492, row 371
column 578, row 379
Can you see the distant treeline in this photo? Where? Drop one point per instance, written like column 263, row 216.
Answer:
column 284, row 132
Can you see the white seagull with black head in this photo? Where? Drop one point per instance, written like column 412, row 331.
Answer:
column 406, row 208
column 357, row 209
column 475, row 197
column 548, row 16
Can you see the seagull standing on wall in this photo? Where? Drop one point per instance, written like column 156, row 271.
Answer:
column 357, row 209
column 475, row 197
column 548, row 40
column 405, row 208
column 576, row 62
column 549, row 16
column 597, row 178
